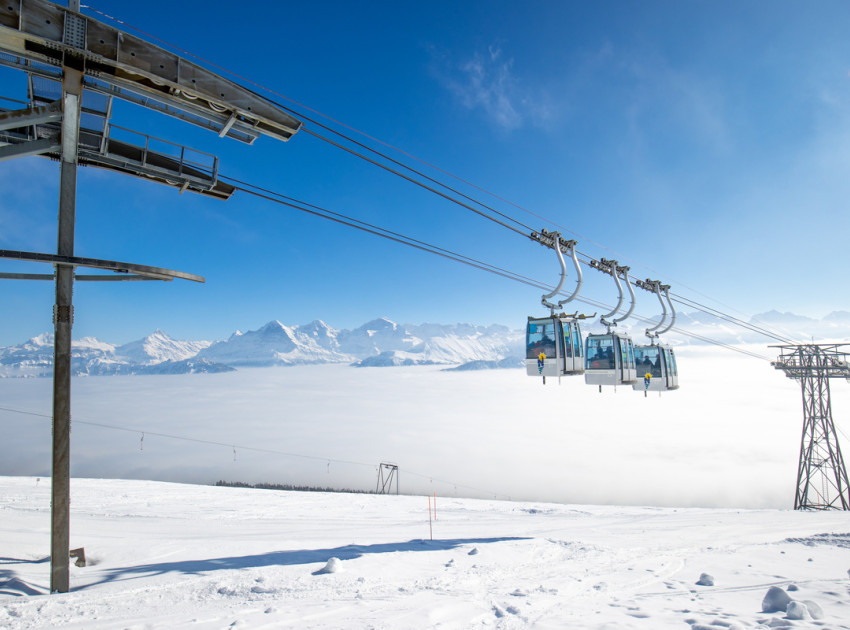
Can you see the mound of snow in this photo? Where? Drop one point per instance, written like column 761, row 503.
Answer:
column 705, row 580
column 333, row 566
column 776, row 600
column 798, row 610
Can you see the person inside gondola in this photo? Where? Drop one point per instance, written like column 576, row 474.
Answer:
column 602, row 359
column 608, row 359
column 545, row 344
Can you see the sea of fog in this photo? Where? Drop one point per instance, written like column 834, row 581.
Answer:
column 729, row 437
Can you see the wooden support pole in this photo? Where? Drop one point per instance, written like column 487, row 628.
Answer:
column 63, row 316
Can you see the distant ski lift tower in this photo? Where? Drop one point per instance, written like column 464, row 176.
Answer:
column 75, row 66
column 386, row 474
column 821, row 476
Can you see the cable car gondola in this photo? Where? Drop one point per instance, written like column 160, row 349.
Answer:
column 610, row 360
column 553, row 343
column 656, row 363
column 609, row 357
column 553, row 346
column 657, row 367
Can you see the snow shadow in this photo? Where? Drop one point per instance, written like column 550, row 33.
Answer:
column 10, row 584
column 287, row 558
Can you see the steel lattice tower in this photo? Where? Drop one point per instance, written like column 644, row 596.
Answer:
column 821, row 476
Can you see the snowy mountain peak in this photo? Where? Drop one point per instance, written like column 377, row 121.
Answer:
column 775, row 317
column 44, row 339
column 92, row 343
column 317, row 328
column 381, row 324
column 837, row 316
column 275, row 330
column 158, row 347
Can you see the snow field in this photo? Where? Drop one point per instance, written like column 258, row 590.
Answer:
column 172, row 556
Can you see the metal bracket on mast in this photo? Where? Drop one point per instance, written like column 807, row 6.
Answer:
column 152, row 273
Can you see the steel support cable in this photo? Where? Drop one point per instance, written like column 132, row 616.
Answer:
column 693, row 304
column 647, row 320
column 398, row 163
column 252, row 449
column 318, row 113
column 455, row 191
column 191, row 439
column 681, row 331
column 269, row 90
column 421, row 245
column 456, row 485
column 778, row 332
column 433, row 249
column 374, row 229
column 422, row 185
column 342, row 219
column 705, row 309
column 264, row 88
column 288, row 109
column 732, row 320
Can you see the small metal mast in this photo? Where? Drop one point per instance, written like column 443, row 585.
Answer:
column 387, row 473
column 821, row 476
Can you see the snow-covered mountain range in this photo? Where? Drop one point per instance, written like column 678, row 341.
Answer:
column 380, row 342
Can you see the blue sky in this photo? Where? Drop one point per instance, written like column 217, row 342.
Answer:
column 703, row 143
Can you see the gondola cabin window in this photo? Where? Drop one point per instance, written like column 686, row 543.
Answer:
column 600, row 353
column 540, row 340
column 648, row 360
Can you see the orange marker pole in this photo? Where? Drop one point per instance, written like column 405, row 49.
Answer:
column 435, row 505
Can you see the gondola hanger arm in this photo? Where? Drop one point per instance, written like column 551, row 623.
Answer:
column 554, row 241
column 545, row 299
column 666, row 290
column 625, row 272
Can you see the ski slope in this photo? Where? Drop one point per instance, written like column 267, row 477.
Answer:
column 165, row 555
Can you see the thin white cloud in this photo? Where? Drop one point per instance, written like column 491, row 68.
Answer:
column 487, row 82
column 692, row 105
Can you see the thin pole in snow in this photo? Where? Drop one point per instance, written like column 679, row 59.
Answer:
column 430, row 526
